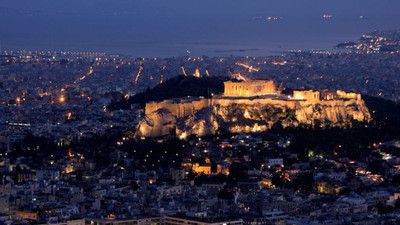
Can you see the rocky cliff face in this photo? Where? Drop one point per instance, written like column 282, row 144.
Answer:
column 158, row 123
column 256, row 115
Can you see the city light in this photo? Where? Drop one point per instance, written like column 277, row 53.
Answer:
column 248, row 133
column 62, row 99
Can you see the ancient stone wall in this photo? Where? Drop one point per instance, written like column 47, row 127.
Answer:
column 178, row 108
column 324, row 95
column 351, row 95
column 183, row 108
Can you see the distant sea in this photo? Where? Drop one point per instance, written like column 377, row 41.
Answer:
column 159, row 34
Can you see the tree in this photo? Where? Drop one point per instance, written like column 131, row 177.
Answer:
column 214, row 166
column 304, row 181
column 237, row 171
column 376, row 167
column 134, row 186
column 277, row 180
column 200, row 179
column 397, row 203
column 79, row 176
column 396, row 180
column 225, row 194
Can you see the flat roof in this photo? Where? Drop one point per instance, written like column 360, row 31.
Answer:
column 249, row 81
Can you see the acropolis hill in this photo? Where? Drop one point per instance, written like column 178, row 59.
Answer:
column 250, row 106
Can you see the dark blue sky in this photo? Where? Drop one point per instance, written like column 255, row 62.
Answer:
column 167, row 27
column 204, row 7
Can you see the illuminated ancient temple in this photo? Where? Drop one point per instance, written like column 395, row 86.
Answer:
column 249, row 88
column 311, row 95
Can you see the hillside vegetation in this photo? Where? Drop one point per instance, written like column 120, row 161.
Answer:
column 180, row 86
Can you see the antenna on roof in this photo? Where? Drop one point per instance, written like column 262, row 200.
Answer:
column 280, row 88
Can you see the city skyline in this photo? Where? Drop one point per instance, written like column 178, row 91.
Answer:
column 126, row 112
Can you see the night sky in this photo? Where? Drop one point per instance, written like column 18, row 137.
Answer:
column 167, row 28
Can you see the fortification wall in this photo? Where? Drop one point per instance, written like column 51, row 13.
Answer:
column 351, row 95
column 180, row 108
column 188, row 107
column 256, row 101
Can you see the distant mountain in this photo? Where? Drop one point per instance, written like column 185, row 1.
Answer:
column 349, row 44
column 180, row 86
column 375, row 42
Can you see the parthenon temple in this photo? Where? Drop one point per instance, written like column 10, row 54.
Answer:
column 249, row 88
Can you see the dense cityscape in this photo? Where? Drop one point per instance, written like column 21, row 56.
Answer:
column 302, row 137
